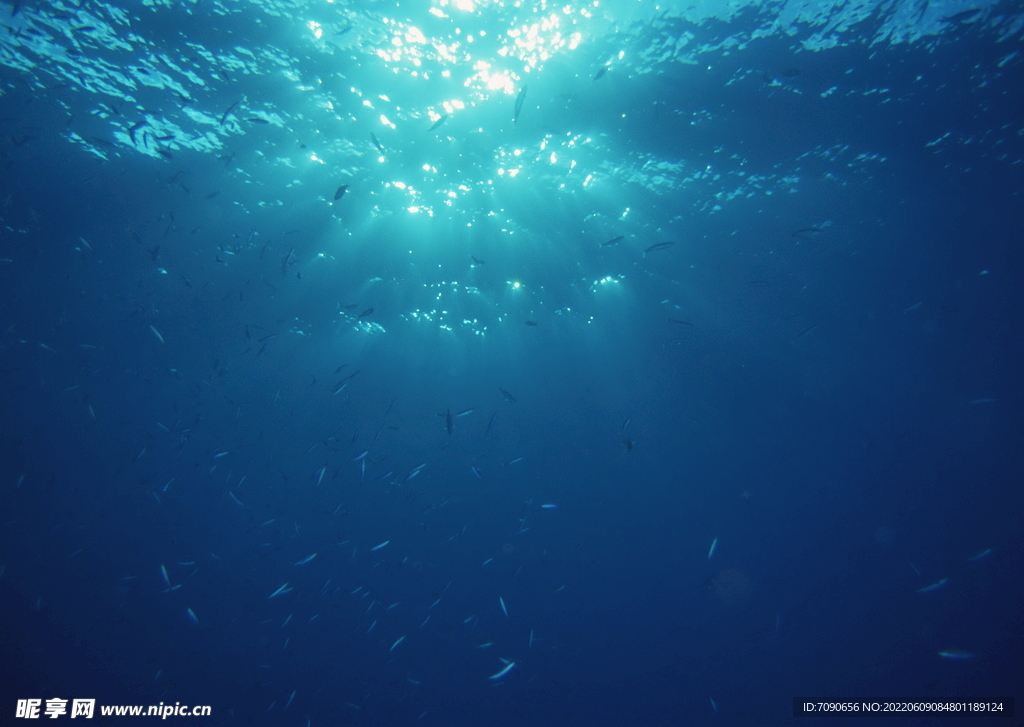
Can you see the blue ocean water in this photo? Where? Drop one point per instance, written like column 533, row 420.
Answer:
column 456, row 362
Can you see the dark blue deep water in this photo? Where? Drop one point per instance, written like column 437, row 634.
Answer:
column 465, row 362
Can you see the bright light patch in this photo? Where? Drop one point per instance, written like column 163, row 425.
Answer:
column 439, row 52
column 415, row 35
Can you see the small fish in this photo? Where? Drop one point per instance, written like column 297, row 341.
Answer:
column 600, row 74
column 519, row 104
column 438, row 122
column 807, row 232
column 288, row 260
column 509, row 666
column 956, row 654
column 549, row 506
column 934, row 586
column 192, row 616
column 365, row 313
column 378, row 547
column 448, row 421
column 805, row 333
column 711, row 551
column 228, row 112
column 658, row 246
column 399, row 640
column 983, row 554
column 157, row 334
column 133, row 128
column 503, row 609
column 613, row 241
column 306, row 559
column 508, row 396
column 963, row 16
column 340, row 192
column 376, row 143
column 283, row 589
